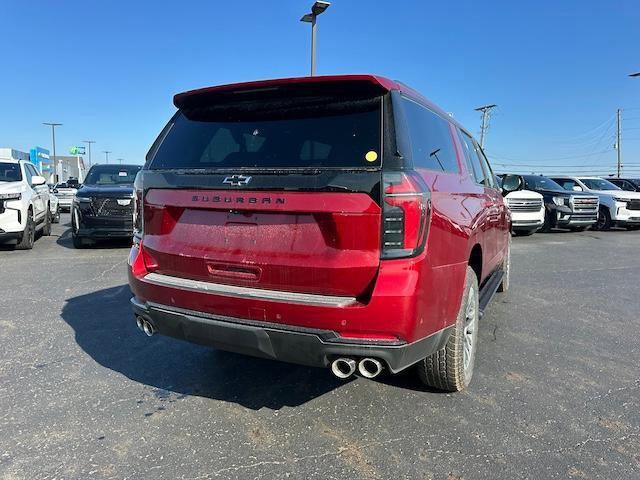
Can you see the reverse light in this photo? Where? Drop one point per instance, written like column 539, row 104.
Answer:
column 405, row 214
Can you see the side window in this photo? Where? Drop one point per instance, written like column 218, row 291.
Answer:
column 431, row 143
column 473, row 160
column 27, row 172
column 489, row 177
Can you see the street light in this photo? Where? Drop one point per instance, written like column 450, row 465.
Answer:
column 106, row 155
column 318, row 8
column 53, row 137
column 89, row 142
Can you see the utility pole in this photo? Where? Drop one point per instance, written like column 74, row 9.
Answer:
column 53, row 138
column 619, row 140
column 484, row 126
column 106, row 155
column 89, row 142
column 120, row 160
column 317, row 8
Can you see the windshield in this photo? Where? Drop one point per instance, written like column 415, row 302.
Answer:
column 331, row 134
column 112, row 174
column 10, row 172
column 535, row 182
column 599, row 184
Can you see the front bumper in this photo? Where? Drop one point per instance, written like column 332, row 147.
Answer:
column 87, row 225
column 565, row 217
column 624, row 216
column 300, row 345
column 12, row 220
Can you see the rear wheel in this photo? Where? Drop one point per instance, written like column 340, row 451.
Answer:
column 451, row 367
column 604, row 219
column 28, row 235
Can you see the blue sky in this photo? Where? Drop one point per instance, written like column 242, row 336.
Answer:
column 108, row 70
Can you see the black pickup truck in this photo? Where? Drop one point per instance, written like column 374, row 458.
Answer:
column 563, row 209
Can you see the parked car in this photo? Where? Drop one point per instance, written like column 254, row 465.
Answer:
column 24, row 204
column 527, row 210
column 54, row 207
column 338, row 221
column 103, row 206
column 617, row 207
column 65, row 194
column 628, row 184
column 575, row 211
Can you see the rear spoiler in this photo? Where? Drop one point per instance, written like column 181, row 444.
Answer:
column 362, row 85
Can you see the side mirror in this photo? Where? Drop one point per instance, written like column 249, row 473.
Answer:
column 511, row 183
column 577, row 188
column 37, row 180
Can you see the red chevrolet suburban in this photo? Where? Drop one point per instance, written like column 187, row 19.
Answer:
column 336, row 221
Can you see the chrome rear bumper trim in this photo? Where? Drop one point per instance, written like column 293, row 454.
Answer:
column 248, row 292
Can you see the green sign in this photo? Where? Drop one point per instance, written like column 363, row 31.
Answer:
column 76, row 150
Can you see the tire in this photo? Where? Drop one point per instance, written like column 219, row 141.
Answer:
column 604, row 220
column 546, row 226
column 46, row 229
column 451, row 368
column 29, row 234
column 506, row 269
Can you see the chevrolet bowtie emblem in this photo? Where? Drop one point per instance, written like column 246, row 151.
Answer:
column 236, row 180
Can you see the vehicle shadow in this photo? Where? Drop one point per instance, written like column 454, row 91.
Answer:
column 65, row 240
column 105, row 329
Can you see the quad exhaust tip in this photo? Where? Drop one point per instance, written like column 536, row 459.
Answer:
column 343, row 367
column 369, row 367
column 145, row 326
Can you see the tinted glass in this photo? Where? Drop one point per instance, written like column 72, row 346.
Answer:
column 599, row 184
column 28, row 174
column 472, row 159
column 568, row 184
column 431, row 142
column 535, row 182
column 10, row 172
column 112, row 174
column 335, row 134
column 489, row 176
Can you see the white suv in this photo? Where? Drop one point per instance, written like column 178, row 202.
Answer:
column 527, row 211
column 617, row 207
column 24, row 203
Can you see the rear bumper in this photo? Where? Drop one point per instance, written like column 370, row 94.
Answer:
column 300, row 345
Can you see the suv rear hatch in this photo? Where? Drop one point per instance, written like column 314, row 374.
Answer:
column 274, row 187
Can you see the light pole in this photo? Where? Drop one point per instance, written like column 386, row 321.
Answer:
column 53, row 138
column 486, row 111
column 89, row 142
column 317, row 8
column 106, row 155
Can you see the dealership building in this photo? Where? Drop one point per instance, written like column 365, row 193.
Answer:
column 68, row 166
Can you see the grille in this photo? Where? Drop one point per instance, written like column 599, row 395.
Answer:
column 633, row 205
column 109, row 207
column 520, row 205
column 585, row 204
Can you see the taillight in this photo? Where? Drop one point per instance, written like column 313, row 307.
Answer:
column 405, row 214
column 138, row 207
column 141, row 261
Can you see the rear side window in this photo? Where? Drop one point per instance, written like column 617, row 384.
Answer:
column 324, row 133
column 472, row 158
column 431, row 143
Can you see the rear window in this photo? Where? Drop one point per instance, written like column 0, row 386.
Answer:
column 325, row 133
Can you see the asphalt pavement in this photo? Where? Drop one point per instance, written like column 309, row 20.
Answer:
column 555, row 393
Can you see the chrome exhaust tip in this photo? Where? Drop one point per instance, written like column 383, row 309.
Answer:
column 140, row 323
column 148, row 328
column 343, row 367
column 369, row 367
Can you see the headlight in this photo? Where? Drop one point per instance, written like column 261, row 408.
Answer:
column 81, row 199
column 10, row 196
column 560, row 201
column 621, row 200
